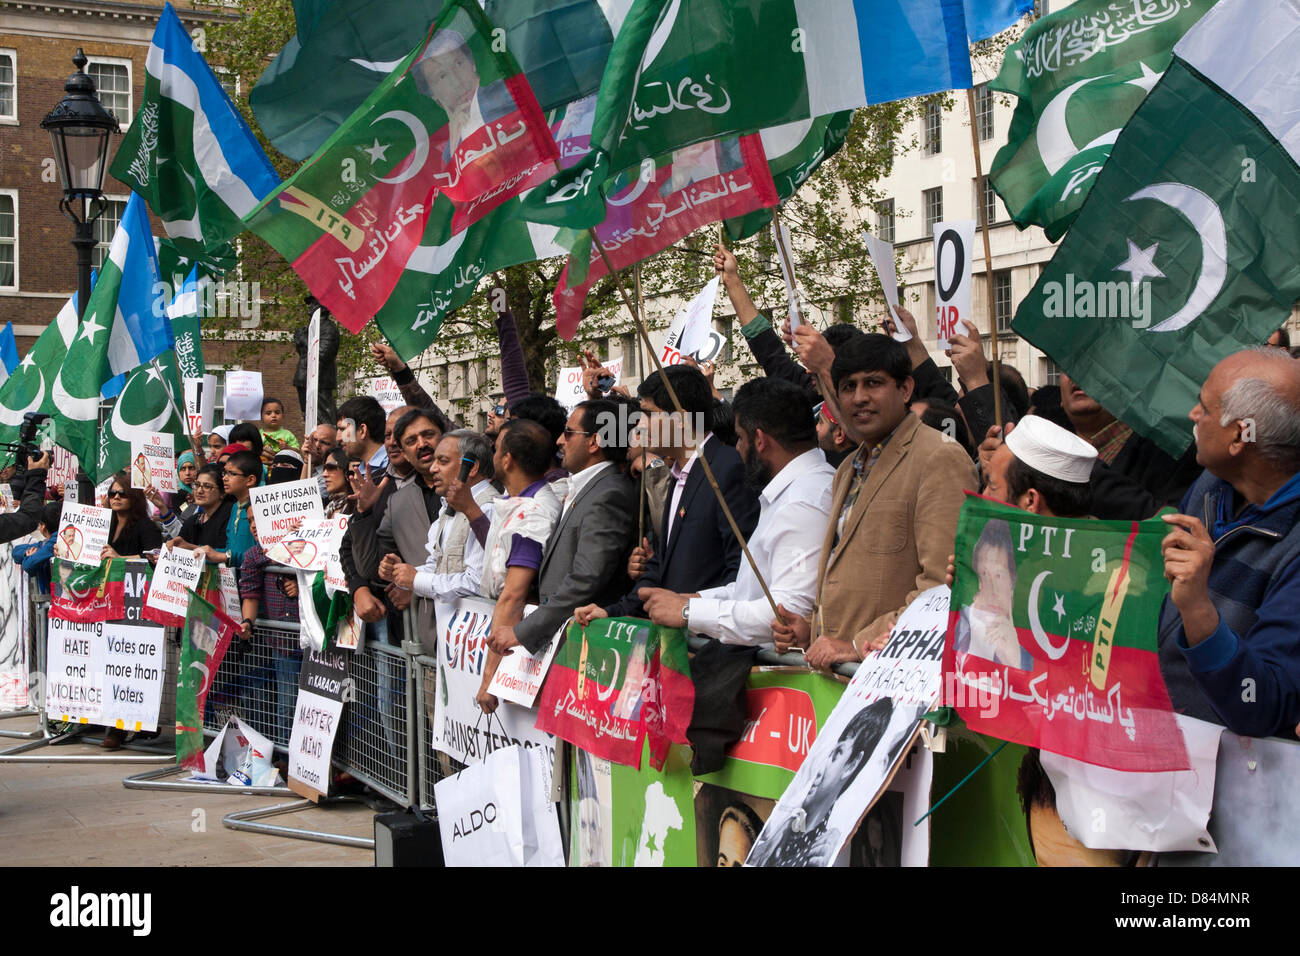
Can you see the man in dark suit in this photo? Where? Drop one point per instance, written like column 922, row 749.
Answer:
column 587, row 551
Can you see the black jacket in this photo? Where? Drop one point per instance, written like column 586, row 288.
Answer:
column 28, row 516
column 141, row 536
column 1141, row 480
column 210, row 533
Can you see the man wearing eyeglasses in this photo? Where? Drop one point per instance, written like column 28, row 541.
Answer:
column 242, row 473
column 495, row 419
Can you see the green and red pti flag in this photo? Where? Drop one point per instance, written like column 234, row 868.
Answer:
column 1052, row 636
column 79, row 592
column 617, row 682
column 456, row 118
column 650, row 207
column 207, row 634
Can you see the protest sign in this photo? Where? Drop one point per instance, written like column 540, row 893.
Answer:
column 954, row 243
column 781, row 235
column 861, row 745
column 177, row 573
column 243, row 396
column 204, row 641
column 63, row 470
column 623, row 816
column 977, row 777
column 153, row 462
column 499, row 812
column 83, row 533
column 460, row 728
column 616, row 682
column 310, row 545
column 7, row 503
column 386, row 393
column 520, row 674
column 280, row 509
column 316, row 721
column 79, row 592
column 568, row 384
column 882, row 257
column 1052, row 636
column 230, row 602
column 691, row 331
column 200, row 403
column 311, row 396
column 108, row 672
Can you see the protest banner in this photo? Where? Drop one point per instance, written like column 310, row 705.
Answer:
column 460, row 728
column 861, row 746
column 280, row 509
column 568, row 383
column 616, row 682
column 229, row 587
column 1052, row 636
column 309, row 546
column 499, row 812
column 624, row 816
column 153, row 462
column 177, row 573
column 316, row 721
column 208, row 633
column 385, row 391
column 108, row 672
column 692, row 330
column 954, row 244
column 83, row 533
column 243, row 396
column 977, row 777
column 882, row 258
column 520, row 675
column 200, row 403
column 63, row 470
column 82, row 593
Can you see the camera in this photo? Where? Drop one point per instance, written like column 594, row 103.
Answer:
column 26, row 446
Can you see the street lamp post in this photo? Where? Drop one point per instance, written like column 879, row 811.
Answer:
column 79, row 129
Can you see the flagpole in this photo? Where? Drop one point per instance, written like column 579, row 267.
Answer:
column 171, row 400
column 988, row 257
column 640, row 502
column 677, row 405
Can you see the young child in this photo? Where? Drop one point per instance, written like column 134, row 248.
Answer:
column 274, row 438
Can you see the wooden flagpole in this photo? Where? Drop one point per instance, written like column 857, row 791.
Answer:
column 988, row 258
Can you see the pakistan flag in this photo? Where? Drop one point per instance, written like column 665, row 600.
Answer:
column 142, row 408
column 1187, row 249
column 1079, row 74
column 27, row 389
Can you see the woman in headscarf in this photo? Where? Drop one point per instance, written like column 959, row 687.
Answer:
column 218, row 439
column 173, row 509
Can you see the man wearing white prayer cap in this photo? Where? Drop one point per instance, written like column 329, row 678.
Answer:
column 1042, row 468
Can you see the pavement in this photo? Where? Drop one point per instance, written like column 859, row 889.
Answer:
column 80, row 814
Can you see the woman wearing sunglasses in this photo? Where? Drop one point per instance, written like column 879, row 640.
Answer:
column 131, row 532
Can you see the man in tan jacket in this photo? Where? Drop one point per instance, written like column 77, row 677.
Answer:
column 893, row 509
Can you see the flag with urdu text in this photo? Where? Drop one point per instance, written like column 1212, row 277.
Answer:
column 27, row 388
column 141, row 409
column 204, row 641
column 1078, row 74
column 616, row 682
column 1052, row 636
column 455, row 119
column 80, row 592
column 187, row 307
column 188, row 151
column 561, row 46
column 1188, row 248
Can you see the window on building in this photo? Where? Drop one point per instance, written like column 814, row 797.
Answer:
column 1051, row 372
column 885, row 220
column 229, row 82
column 8, row 86
column 932, row 129
column 113, row 83
column 8, row 239
column 1002, row 299
column 990, row 201
column 932, row 205
column 219, row 396
column 984, row 111
column 105, row 226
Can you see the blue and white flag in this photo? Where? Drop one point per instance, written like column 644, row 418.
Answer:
column 8, row 352
column 985, row 18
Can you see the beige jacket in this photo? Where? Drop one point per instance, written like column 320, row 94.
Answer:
column 898, row 537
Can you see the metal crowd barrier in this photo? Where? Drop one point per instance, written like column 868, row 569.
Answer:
column 34, row 636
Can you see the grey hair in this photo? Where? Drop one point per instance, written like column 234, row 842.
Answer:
column 474, row 445
column 1275, row 416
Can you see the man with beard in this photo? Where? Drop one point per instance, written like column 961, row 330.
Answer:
column 776, row 437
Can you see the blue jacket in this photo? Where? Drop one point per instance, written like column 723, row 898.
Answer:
column 1246, row 675
column 35, row 560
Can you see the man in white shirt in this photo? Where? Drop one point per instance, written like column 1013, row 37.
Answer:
column 776, row 436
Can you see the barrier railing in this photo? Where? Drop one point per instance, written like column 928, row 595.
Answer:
column 34, row 639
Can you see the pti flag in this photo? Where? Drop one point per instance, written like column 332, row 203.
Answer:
column 188, row 152
column 1079, row 74
column 652, row 206
column 79, row 592
column 207, row 634
column 1052, row 636
column 1186, row 250
column 26, row 390
column 616, row 682
column 455, row 119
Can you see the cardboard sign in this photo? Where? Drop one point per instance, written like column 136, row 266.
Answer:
column 568, row 384
column 200, row 403
column 782, row 236
column 692, row 330
column 954, row 244
column 316, row 721
column 882, row 257
column 279, row 509
column 243, row 396
column 230, row 602
column 176, row 574
column 311, row 411
column 153, row 462
column 519, row 676
column 309, row 548
column 386, row 393
column 83, row 533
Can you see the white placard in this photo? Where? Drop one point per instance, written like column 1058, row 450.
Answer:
column 310, row 547
column 311, row 395
column 178, row 570
column 882, row 257
column 243, row 396
column 520, row 674
column 690, row 332
column 153, row 462
column 230, row 602
column 63, row 469
column 568, row 384
column 83, row 533
column 200, row 403
column 316, row 721
column 279, row 509
column 386, row 393
column 782, row 236
column 954, row 244
column 7, row 502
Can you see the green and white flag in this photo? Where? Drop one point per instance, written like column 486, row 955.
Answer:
column 1186, row 250
column 1079, row 74
column 26, row 389
column 141, row 409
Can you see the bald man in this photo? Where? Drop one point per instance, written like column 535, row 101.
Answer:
column 1230, row 629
